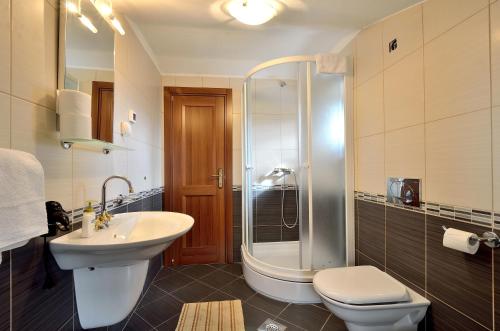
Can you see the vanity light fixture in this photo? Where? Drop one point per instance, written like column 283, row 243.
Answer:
column 85, row 21
column 105, row 8
column 118, row 26
column 74, row 8
column 252, row 12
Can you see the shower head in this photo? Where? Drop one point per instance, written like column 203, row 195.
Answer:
column 282, row 171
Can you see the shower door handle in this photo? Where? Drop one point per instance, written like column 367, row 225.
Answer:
column 220, row 177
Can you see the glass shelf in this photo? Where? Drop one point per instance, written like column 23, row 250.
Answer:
column 105, row 146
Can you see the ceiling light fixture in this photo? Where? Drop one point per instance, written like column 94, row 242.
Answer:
column 252, row 12
column 105, row 8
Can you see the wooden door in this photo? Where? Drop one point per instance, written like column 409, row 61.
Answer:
column 102, row 110
column 197, row 125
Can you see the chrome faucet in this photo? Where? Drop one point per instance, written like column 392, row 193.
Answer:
column 105, row 216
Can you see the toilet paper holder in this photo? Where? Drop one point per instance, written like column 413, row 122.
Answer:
column 489, row 238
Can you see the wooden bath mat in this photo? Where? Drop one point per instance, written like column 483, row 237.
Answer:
column 212, row 316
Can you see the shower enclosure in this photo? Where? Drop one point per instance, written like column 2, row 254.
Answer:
column 294, row 178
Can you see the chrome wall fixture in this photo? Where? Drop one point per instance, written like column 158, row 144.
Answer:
column 489, row 238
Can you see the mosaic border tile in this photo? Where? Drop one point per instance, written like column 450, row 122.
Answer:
column 121, row 201
column 277, row 187
column 458, row 213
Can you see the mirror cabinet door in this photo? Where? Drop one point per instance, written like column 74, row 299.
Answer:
column 89, row 65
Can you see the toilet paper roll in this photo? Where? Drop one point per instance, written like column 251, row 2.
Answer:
column 463, row 241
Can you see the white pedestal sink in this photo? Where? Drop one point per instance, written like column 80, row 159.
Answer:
column 110, row 267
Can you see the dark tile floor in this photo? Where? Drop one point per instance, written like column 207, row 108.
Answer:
column 160, row 307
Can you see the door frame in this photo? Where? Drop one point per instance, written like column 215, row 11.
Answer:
column 169, row 93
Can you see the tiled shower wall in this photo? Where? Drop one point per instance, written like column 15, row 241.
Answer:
column 28, row 76
column 268, row 226
column 430, row 110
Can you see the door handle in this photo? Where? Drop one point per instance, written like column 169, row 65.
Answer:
column 220, row 177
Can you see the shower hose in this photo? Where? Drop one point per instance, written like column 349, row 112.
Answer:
column 296, row 201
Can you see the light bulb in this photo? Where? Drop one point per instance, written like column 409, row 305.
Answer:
column 118, row 26
column 71, row 7
column 252, row 12
column 104, row 7
column 85, row 21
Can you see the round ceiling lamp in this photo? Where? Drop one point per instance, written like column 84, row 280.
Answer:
column 252, row 12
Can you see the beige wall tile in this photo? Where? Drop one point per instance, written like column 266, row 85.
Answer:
column 371, row 177
column 404, row 92
column 405, row 154
column 236, row 166
column 267, row 131
column 267, row 96
column 237, row 85
column 496, row 158
column 407, row 28
column 441, row 15
column 90, row 169
column 289, row 131
column 34, row 131
column 5, row 122
column 237, row 131
column 369, row 54
column 369, row 107
column 237, row 101
column 458, row 160
column 34, row 51
column 188, row 81
column 495, row 53
column 457, row 78
column 218, row 82
column 5, row 46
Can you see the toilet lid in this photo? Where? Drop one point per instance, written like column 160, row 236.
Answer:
column 360, row 285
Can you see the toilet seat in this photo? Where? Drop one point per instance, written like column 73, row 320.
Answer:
column 361, row 285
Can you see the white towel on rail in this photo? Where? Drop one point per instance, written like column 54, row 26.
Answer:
column 330, row 63
column 22, row 199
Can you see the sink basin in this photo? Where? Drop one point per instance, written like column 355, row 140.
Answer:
column 110, row 267
column 131, row 237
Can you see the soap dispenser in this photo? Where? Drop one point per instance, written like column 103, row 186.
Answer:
column 87, row 220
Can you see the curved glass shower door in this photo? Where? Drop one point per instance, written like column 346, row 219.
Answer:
column 293, row 166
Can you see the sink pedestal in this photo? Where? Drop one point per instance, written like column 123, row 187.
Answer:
column 106, row 295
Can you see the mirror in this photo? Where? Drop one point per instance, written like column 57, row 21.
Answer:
column 88, row 65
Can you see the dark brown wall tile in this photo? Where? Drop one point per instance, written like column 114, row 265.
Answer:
column 33, row 307
column 445, row 318
column 268, row 208
column 372, row 230
column 158, row 202
column 237, row 243
column 405, row 246
column 147, row 204
column 268, row 233
column 292, row 234
column 406, row 282
column 365, row 260
column 5, row 291
column 356, row 225
column 497, row 288
column 461, row 280
column 134, row 206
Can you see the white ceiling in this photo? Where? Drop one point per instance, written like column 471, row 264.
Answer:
column 198, row 37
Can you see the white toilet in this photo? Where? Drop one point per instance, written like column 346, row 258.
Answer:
column 368, row 299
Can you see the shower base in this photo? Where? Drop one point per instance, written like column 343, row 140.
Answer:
column 274, row 271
